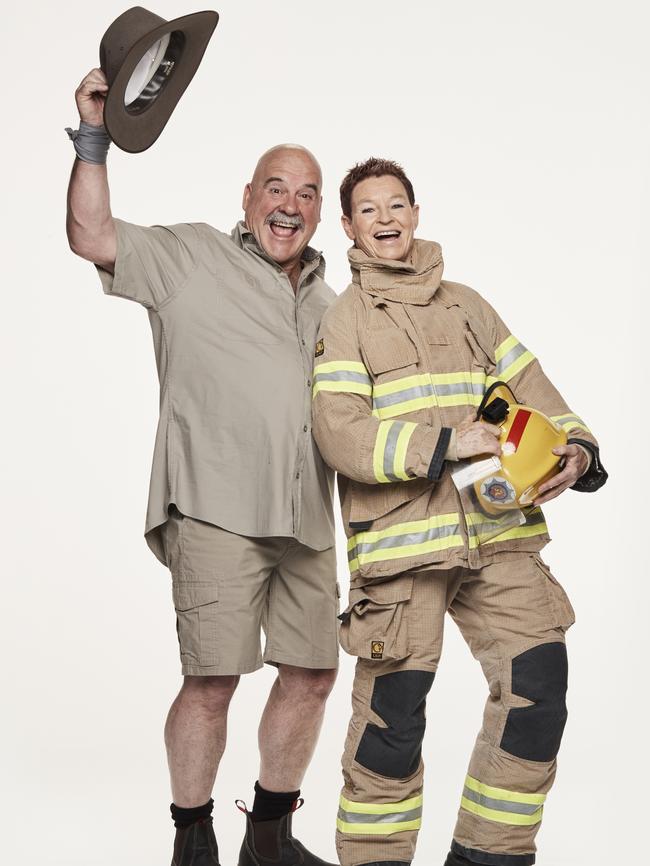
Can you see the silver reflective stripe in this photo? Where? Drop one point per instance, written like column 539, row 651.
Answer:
column 402, row 540
column 389, row 450
column 385, row 818
column 510, row 358
column 402, row 396
column 342, row 376
column 501, row 805
column 460, row 388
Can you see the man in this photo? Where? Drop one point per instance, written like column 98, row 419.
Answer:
column 402, row 357
column 240, row 501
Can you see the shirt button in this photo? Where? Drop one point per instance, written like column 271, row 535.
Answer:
column 303, row 342
column 305, row 428
column 297, row 474
column 309, row 383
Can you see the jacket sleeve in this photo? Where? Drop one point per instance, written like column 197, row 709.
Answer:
column 352, row 440
column 520, row 369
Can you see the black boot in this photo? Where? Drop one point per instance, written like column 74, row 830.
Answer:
column 454, row 859
column 196, row 845
column 270, row 843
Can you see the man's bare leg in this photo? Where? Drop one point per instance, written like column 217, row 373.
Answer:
column 290, row 725
column 195, row 736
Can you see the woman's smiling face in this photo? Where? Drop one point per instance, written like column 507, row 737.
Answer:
column 383, row 221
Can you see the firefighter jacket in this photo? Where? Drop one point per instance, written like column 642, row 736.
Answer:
column 402, row 358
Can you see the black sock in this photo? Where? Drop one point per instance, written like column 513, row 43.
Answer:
column 185, row 817
column 272, row 804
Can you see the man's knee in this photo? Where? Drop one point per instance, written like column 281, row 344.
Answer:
column 539, row 675
column 399, row 700
column 307, row 684
column 212, row 693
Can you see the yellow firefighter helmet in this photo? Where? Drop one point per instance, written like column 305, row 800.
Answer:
column 527, row 460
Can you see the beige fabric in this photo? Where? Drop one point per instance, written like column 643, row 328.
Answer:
column 234, row 348
column 227, row 587
column 400, row 323
column 502, row 610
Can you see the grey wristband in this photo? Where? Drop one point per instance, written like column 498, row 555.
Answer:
column 90, row 142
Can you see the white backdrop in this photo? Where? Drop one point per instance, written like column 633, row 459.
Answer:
column 525, row 129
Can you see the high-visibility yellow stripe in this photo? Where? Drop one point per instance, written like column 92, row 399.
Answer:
column 502, row 817
column 503, row 793
column 517, row 532
column 421, row 380
column 378, row 453
column 400, row 450
column 378, row 829
column 517, row 366
column 381, row 808
column 506, row 346
column 404, row 408
column 343, row 387
column 570, row 422
column 340, row 367
column 403, row 528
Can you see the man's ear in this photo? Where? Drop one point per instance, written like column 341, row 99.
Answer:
column 247, row 194
column 346, row 222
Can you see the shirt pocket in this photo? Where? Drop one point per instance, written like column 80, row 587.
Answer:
column 387, row 350
column 374, row 624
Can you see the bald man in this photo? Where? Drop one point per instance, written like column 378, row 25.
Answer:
column 240, row 502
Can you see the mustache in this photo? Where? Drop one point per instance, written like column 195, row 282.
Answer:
column 294, row 220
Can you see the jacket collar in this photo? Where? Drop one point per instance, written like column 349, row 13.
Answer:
column 312, row 260
column 412, row 282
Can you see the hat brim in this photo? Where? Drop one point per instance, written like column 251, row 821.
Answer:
column 135, row 131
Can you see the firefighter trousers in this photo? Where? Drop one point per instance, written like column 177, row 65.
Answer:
column 513, row 615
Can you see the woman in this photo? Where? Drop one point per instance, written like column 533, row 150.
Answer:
column 402, row 358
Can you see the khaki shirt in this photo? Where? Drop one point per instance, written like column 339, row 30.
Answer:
column 403, row 358
column 234, row 348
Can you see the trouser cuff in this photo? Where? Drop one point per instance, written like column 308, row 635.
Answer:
column 474, row 855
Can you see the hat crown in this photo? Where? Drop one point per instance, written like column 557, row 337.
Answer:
column 122, row 35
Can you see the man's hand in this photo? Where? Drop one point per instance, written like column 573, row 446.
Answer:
column 90, row 97
column 476, row 437
column 576, row 465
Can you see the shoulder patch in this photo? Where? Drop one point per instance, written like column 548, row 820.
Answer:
column 320, row 348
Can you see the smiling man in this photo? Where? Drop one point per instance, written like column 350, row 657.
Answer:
column 240, row 501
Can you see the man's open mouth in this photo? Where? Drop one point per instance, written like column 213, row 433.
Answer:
column 284, row 227
column 387, row 235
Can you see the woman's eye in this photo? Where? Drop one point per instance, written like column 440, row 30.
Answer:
column 398, row 204
column 366, row 210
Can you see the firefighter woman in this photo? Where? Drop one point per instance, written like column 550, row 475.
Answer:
column 402, row 363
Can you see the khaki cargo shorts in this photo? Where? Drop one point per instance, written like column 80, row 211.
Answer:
column 228, row 587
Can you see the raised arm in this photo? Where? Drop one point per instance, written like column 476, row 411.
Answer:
column 89, row 223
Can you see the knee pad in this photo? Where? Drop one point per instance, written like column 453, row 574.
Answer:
column 540, row 675
column 399, row 700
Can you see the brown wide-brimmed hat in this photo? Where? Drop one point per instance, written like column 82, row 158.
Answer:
column 148, row 63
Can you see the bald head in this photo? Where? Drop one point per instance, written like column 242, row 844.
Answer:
column 282, row 203
column 281, row 151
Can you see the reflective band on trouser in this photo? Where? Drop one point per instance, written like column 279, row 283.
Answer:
column 389, row 456
column 478, row 526
column 425, row 390
column 569, row 422
column 416, row 538
column 379, row 819
column 342, row 376
column 511, row 357
column 501, row 805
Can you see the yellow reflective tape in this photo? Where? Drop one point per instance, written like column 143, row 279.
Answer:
column 466, row 399
column 404, row 550
column 501, row 817
column 516, row 532
column 403, row 408
column 340, row 367
column 378, row 829
column 380, row 808
column 418, row 381
column 503, row 348
column 353, row 565
column 401, row 448
column 503, row 793
column 517, row 366
column 403, row 529
column 343, row 387
column 378, row 453
column 572, row 422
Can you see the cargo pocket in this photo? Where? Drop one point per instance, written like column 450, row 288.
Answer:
column 374, row 624
column 482, row 353
column 563, row 613
column 195, row 602
column 388, row 349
